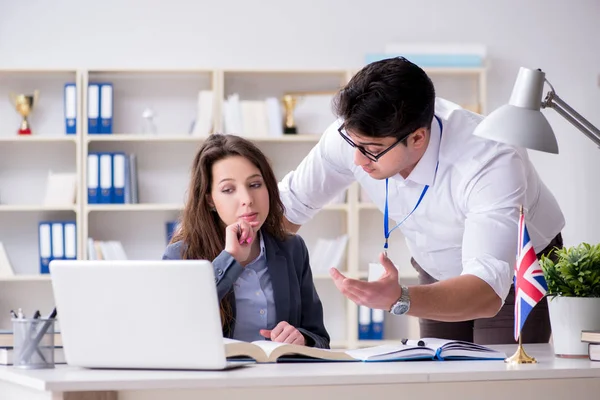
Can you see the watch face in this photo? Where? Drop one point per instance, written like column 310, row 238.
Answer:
column 399, row 308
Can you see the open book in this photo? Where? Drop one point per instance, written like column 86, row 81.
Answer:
column 432, row 349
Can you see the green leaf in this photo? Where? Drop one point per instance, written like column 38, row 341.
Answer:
column 573, row 271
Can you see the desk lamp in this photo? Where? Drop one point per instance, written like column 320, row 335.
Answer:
column 521, row 123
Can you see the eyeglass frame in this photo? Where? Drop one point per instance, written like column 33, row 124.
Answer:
column 365, row 152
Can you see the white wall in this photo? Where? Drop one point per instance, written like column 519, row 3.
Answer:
column 558, row 36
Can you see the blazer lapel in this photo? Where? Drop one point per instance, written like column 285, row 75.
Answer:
column 276, row 265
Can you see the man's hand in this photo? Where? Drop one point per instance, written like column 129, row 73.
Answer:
column 284, row 333
column 380, row 294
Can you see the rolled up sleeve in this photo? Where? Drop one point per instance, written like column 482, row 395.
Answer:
column 493, row 201
column 321, row 175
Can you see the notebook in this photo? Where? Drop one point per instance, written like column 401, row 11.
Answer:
column 424, row 349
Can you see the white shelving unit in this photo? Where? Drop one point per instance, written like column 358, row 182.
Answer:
column 163, row 163
column 24, row 167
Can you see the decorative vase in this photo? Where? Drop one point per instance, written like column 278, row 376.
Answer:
column 568, row 317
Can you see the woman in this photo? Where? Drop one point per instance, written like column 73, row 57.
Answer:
column 234, row 217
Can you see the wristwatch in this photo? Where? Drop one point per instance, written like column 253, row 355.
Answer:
column 401, row 306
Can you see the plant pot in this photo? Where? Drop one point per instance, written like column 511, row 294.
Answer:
column 568, row 317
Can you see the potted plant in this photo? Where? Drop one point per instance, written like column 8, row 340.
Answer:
column 573, row 278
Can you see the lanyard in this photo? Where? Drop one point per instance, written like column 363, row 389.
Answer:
column 386, row 230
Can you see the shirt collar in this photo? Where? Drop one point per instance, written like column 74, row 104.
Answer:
column 424, row 171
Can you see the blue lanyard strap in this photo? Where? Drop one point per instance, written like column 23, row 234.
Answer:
column 386, row 230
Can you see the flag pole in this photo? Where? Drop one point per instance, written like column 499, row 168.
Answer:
column 520, row 356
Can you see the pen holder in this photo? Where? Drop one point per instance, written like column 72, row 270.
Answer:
column 33, row 343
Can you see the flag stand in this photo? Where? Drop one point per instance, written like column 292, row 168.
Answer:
column 520, row 357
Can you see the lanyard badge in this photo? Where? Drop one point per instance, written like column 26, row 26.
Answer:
column 386, row 230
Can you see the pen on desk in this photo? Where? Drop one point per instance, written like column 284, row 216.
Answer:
column 37, row 314
column 20, row 313
column 14, row 314
column 420, row 343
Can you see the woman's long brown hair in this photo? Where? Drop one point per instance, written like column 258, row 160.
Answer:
column 201, row 229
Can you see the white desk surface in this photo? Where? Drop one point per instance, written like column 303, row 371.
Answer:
column 67, row 379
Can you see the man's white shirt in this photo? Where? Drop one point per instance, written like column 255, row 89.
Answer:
column 467, row 222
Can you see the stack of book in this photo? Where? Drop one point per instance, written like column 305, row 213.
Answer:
column 105, row 250
column 592, row 338
column 7, row 349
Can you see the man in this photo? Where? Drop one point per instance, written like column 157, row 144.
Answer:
column 455, row 196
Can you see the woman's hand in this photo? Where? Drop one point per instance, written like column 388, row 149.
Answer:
column 284, row 333
column 238, row 240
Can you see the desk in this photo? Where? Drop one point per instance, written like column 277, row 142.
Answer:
column 551, row 378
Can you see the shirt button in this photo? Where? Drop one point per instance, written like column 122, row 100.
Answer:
column 262, row 312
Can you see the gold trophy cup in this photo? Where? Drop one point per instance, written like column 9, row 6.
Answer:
column 289, row 104
column 24, row 104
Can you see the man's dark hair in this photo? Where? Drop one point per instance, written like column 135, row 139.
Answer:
column 387, row 98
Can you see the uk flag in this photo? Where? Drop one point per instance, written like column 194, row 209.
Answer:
column 529, row 281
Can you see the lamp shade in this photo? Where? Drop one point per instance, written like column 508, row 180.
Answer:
column 520, row 127
column 521, row 123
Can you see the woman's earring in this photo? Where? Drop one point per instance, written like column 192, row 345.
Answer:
column 213, row 209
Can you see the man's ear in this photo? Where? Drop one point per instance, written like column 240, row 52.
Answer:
column 419, row 138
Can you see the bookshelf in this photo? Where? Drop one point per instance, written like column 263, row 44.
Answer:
column 163, row 162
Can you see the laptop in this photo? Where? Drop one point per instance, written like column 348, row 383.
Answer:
column 139, row 314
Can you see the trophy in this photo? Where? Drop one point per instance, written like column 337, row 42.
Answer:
column 289, row 103
column 24, row 104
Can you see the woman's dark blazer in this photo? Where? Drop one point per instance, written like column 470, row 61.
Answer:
column 296, row 299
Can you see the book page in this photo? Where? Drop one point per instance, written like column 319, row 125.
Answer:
column 268, row 346
column 391, row 352
column 276, row 350
column 453, row 344
column 237, row 348
column 461, row 349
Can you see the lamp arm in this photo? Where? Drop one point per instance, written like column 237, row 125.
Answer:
column 567, row 112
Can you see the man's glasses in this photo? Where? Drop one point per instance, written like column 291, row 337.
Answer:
column 366, row 153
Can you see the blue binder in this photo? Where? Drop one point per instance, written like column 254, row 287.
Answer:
column 58, row 240
column 70, row 240
column 171, row 227
column 377, row 319
column 70, row 105
column 93, row 178
column 364, row 323
column 106, row 108
column 93, row 112
column 45, row 245
column 106, row 178
column 119, row 170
